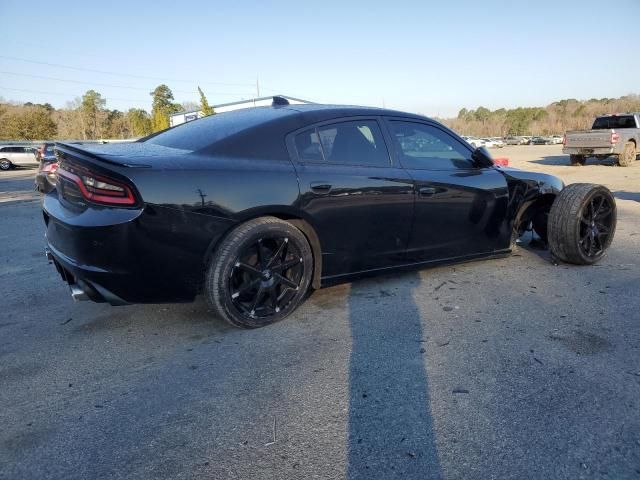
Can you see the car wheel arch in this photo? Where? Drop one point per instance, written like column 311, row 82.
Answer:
column 529, row 209
column 297, row 221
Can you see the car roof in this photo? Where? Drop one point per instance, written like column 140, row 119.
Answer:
column 269, row 121
column 328, row 111
column 315, row 112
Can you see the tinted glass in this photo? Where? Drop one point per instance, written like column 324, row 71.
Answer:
column 621, row 121
column 425, row 147
column 354, row 143
column 347, row 143
column 198, row 134
column 308, row 146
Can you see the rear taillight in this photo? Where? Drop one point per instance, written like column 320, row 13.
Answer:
column 98, row 188
column 614, row 138
column 564, row 139
column 50, row 167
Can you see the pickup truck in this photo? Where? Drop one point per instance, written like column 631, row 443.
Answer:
column 611, row 135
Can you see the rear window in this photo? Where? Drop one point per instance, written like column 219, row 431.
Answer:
column 198, row 134
column 618, row 121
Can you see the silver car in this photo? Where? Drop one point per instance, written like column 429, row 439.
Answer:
column 17, row 156
column 512, row 140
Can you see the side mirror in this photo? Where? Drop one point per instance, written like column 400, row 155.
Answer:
column 482, row 158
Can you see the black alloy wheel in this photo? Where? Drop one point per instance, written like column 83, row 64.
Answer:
column 595, row 225
column 259, row 273
column 265, row 277
column 582, row 223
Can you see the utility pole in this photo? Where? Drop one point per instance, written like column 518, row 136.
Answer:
column 202, row 195
column 257, row 87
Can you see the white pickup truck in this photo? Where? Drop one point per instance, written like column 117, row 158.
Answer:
column 611, row 135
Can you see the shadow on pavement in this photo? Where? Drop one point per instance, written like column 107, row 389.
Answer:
column 622, row 195
column 563, row 160
column 390, row 426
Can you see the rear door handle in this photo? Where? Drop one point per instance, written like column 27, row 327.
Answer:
column 320, row 187
column 427, row 191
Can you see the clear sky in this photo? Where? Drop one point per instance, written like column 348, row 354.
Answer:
column 428, row 57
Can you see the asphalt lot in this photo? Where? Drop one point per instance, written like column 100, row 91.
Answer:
column 510, row 368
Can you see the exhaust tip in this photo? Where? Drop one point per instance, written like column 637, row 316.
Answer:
column 78, row 294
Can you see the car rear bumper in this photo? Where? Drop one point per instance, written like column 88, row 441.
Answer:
column 590, row 150
column 83, row 282
column 147, row 255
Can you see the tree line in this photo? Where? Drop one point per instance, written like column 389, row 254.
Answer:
column 557, row 118
column 87, row 118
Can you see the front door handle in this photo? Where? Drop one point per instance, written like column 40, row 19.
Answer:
column 320, row 187
column 427, row 191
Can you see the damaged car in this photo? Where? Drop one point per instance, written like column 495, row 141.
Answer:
column 253, row 208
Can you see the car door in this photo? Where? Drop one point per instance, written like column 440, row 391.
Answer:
column 361, row 204
column 11, row 154
column 23, row 156
column 460, row 208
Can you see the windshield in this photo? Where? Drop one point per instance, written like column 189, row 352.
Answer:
column 614, row 121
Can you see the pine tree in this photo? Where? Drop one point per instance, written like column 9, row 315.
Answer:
column 204, row 105
column 162, row 106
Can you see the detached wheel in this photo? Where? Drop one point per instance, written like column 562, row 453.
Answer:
column 5, row 164
column 260, row 273
column 582, row 223
column 628, row 155
column 577, row 160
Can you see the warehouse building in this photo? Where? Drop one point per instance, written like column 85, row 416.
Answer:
column 183, row 117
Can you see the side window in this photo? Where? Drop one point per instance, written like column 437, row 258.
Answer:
column 348, row 143
column 308, row 146
column 425, row 147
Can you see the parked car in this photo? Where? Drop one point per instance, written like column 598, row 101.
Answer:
column 46, row 152
column 615, row 135
column 557, row 139
column 488, row 143
column 499, row 142
column 526, row 140
column 254, row 207
column 511, row 140
column 493, row 142
column 541, row 141
column 45, row 179
column 17, row 156
column 474, row 141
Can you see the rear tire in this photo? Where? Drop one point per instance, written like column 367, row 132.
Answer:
column 260, row 273
column 582, row 223
column 577, row 160
column 5, row 164
column 628, row 155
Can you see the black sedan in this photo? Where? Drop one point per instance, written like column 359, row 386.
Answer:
column 542, row 141
column 255, row 207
